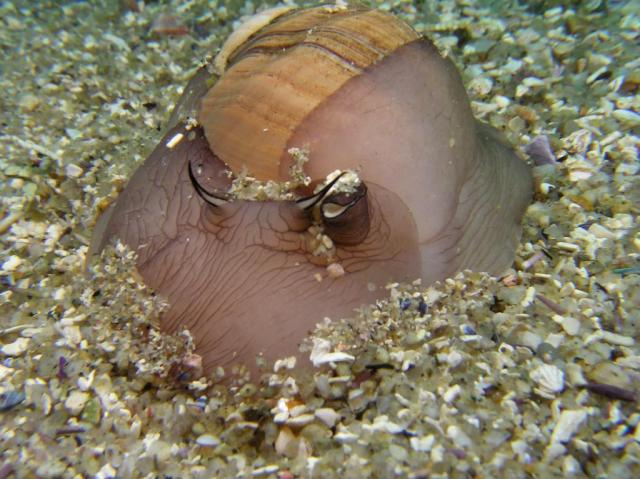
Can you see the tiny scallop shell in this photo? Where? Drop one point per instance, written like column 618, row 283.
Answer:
column 550, row 378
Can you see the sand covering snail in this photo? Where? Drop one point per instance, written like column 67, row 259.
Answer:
column 357, row 141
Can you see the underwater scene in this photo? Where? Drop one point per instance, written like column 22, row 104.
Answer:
column 320, row 240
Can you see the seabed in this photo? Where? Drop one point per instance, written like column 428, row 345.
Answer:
column 533, row 374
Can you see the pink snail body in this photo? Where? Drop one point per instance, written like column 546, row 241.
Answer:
column 436, row 190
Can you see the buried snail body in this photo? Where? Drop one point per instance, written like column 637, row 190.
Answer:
column 400, row 182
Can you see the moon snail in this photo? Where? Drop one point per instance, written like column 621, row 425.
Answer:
column 399, row 181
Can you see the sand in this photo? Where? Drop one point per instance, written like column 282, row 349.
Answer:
column 534, row 373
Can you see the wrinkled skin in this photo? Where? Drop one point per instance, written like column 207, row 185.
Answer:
column 416, row 135
column 444, row 193
column 240, row 276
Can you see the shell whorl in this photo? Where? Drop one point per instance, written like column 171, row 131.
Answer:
column 283, row 72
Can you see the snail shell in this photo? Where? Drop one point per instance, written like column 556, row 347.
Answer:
column 284, row 72
column 439, row 191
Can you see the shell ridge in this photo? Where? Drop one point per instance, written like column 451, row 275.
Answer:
column 331, row 39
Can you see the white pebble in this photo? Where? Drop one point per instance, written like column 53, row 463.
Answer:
column 71, row 320
column 335, row 270
column 530, row 340
column 422, row 444
column 382, row 424
column 480, row 86
column 533, row 82
column 85, row 382
column 451, row 394
column 301, row 420
column 16, row 348
column 263, row 471
column 345, row 436
column 459, row 438
column 327, row 415
column 555, row 339
column 285, row 363
column 12, row 263
column 618, row 339
column 570, row 324
column 320, row 353
column 73, row 171
column 528, row 297
column 208, row 440
column 600, row 231
column 454, row 359
column 569, row 247
column 107, row 471
column 571, row 466
column 5, row 372
column 76, row 401
column 553, row 450
column 568, row 424
column 501, row 101
column 627, row 116
column 284, row 440
column 298, row 410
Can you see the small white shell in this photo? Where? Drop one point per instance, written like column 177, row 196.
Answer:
column 550, row 379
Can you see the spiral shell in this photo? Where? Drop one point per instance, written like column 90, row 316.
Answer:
column 283, row 72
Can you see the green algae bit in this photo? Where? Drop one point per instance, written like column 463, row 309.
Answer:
column 626, row 271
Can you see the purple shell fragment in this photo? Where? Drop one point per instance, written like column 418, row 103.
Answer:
column 540, row 152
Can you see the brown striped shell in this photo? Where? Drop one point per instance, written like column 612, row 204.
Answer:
column 284, row 71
